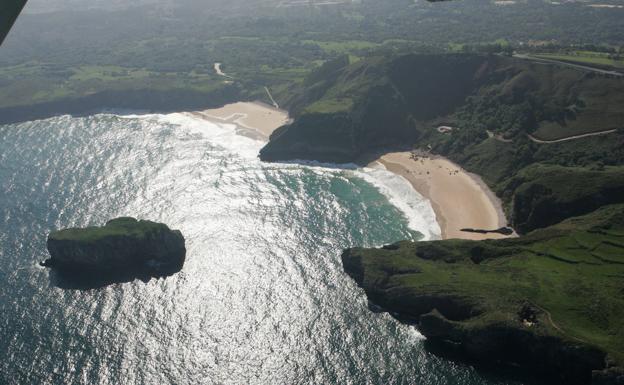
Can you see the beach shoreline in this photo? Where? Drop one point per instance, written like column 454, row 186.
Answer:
column 459, row 199
column 256, row 120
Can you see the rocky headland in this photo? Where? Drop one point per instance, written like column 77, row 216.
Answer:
column 548, row 302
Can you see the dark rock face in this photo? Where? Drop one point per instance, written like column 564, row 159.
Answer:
column 445, row 321
column 555, row 359
column 122, row 250
column 543, row 202
column 303, row 140
column 611, row 376
column 392, row 98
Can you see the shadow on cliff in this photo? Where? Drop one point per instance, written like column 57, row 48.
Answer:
column 498, row 371
column 81, row 280
column 494, row 371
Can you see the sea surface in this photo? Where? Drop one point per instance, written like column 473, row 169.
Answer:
column 262, row 298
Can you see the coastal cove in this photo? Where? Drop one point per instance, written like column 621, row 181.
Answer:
column 312, row 192
column 462, row 200
column 495, row 301
column 459, row 199
column 262, row 297
column 201, row 166
column 429, row 196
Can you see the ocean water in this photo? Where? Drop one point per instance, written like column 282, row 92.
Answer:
column 262, row 298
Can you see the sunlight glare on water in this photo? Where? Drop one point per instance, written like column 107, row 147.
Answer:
column 262, row 298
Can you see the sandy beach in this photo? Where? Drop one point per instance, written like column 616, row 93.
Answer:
column 459, row 199
column 253, row 119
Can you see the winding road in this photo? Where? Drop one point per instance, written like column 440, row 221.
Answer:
column 534, row 139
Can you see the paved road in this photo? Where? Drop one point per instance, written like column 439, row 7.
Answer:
column 534, row 139
column 562, row 63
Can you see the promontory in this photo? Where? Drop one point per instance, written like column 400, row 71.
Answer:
column 548, row 140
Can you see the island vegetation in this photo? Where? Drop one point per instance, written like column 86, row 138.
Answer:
column 121, row 250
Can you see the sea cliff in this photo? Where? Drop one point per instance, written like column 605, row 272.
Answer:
column 346, row 109
column 496, row 110
column 549, row 302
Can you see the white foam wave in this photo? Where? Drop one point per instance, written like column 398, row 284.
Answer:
column 222, row 134
column 400, row 193
column 398, row 190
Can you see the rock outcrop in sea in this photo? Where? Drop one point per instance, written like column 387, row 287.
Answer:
column 123, row 249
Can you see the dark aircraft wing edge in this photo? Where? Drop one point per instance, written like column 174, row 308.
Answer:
column 9, row 11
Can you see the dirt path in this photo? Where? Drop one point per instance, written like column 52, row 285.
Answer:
column 271, row 97
column 219, row 71
column 554, row 325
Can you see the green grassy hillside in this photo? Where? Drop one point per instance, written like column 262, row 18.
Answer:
column 381, row 102
column 400, row 100
column 557, row 291
column 551, row 300
column 119, row 227
column 348, row 111
column 544, row 195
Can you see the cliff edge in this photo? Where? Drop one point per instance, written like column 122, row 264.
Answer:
column 123, row 248
column 549, row 302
